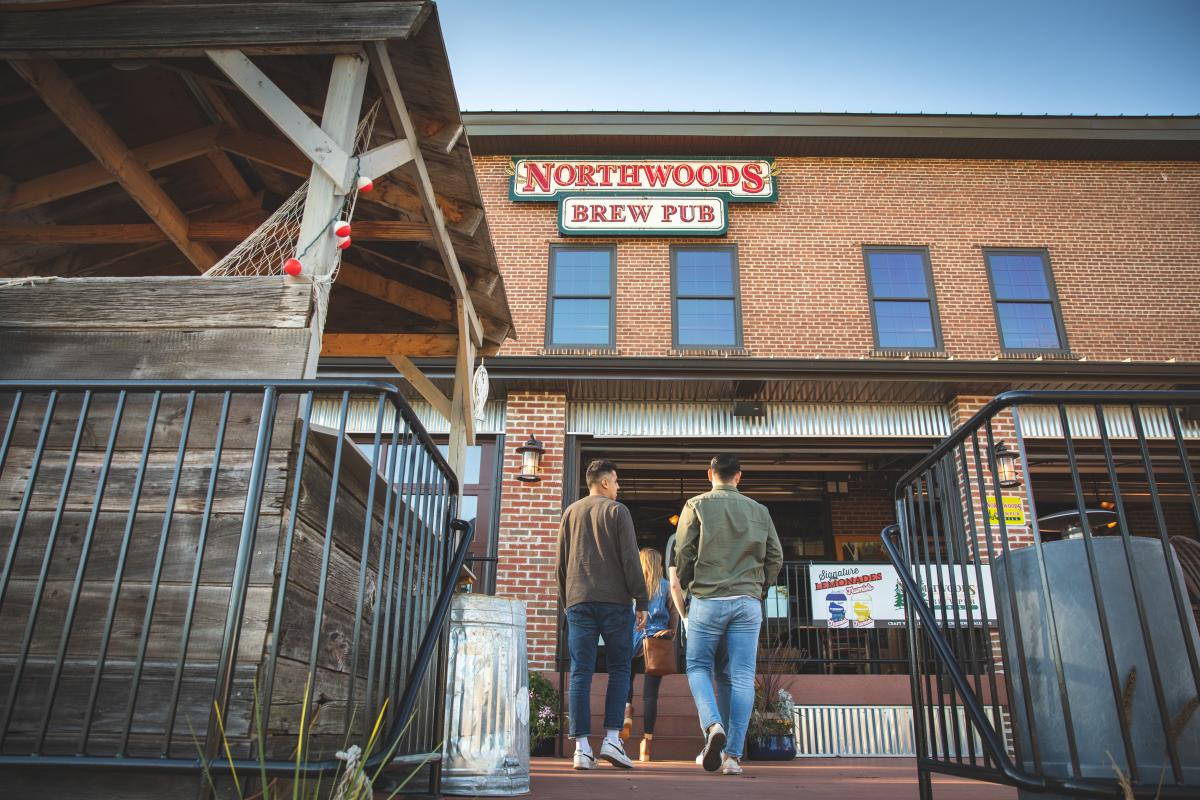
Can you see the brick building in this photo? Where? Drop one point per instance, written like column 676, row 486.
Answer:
column 893, row 274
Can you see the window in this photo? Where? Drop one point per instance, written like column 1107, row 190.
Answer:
column 582, row 283
column 704, row 282
column 903, row 311
column 1027, row 311
column 479, row 503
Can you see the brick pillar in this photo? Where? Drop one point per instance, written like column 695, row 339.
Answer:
column 1003, row 430
column 529, row 515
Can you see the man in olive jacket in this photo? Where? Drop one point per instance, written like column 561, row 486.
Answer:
column 728, row 555
column 599, row 576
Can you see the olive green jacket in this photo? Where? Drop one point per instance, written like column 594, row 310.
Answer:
column 726, row 545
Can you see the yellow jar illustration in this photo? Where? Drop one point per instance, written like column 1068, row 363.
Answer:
column 862, row 611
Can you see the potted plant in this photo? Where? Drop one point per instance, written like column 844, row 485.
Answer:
column 771, row 735
column 543, row 715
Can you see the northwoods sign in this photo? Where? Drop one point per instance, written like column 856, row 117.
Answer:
column 672, row 197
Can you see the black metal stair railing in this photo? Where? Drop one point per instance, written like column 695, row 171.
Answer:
column 1062, row 548
column 196, row 571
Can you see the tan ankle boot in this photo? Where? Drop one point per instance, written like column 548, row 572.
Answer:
column 627, row 728
column 645, row 756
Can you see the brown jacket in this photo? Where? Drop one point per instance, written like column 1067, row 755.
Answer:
column 598, row 555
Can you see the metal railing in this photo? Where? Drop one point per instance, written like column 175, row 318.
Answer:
column 1094, row 656
column 193, row 572
column 792, row 639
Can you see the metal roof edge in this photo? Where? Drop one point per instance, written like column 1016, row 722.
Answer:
column 825, row 125
column 648, row 368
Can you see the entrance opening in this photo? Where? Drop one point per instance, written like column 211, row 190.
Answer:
column 828, row 499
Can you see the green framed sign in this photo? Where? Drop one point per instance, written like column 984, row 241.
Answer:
column 642, row 215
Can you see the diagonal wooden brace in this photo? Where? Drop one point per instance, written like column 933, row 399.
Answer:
column 320, row 148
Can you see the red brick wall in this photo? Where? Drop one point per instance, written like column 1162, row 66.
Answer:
column 529, row 515
column 1123, row 241
column 861, row 514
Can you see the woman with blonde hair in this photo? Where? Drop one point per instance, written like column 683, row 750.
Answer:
column 660, row 624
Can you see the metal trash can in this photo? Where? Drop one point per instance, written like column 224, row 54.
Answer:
column 487, row 698
column 1093, row 713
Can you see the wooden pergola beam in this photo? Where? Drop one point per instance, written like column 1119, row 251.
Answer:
column 398, row 294
column 393, row 101
column 414, row 345
column 85, row 177
column 138, row 233
column 61, row 96
column 320, row 148
column 281, row 155
column 412, row 373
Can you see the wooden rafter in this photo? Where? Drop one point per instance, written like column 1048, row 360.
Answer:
column 422, row 384
column 75, row 180
column 57, row 91
column 320, row 148
column 416, row 345
column 394, row 293
column 280, row 154
column 393, row 101
column 385, row 158
column 135, row 233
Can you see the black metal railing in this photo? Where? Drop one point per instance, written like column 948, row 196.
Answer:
column 194, row 572
column 795, row 639
column 1079, row 529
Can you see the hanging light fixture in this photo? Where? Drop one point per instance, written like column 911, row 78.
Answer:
column 1006, row 466
column 531, row 460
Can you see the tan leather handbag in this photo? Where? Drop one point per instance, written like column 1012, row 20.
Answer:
column 660, row 655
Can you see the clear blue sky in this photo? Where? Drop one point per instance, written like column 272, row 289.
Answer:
column 969, row 56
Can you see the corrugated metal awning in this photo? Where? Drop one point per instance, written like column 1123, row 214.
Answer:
column 649, row 419
column 1043, row 422
column 361, row 417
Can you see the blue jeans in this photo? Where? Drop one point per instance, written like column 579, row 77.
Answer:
column 735, row 624
column 586, row 621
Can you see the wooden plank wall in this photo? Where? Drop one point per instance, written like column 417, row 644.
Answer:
column 335, row 666
column 154, row 328
column 143, row 328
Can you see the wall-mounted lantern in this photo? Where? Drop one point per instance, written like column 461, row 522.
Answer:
column 1006, row 466
column 531, row 460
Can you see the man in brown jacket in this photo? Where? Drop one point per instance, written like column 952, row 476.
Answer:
column 599, row 575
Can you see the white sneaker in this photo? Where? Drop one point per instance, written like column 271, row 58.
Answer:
column 584, row 760
column 615, row 754
column 731, row 766
column 700, row 759
column 714, row 743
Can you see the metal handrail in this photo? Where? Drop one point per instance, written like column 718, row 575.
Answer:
column 943, row 509
column 1006, row 399
column 437, row 607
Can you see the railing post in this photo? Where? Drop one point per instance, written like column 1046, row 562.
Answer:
column 227, row 662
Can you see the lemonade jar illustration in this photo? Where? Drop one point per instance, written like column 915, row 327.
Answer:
column 862, row 611
column 837, row 608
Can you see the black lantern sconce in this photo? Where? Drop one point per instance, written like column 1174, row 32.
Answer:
column 531, row 460
column 1006, row 466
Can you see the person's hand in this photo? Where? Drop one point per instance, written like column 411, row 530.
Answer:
column 642, row 616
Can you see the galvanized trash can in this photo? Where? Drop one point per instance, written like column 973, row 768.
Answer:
column 487, row 698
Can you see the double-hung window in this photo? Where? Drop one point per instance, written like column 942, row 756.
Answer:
column 582, row 286
column 1027, row 309
column 903, row 310
column 704, row 283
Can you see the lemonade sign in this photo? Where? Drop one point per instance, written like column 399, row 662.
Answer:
column 853, row 595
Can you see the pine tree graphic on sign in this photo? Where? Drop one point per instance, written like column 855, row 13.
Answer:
column 898, row 601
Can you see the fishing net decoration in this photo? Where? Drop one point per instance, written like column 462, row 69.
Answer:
column 268, row 248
